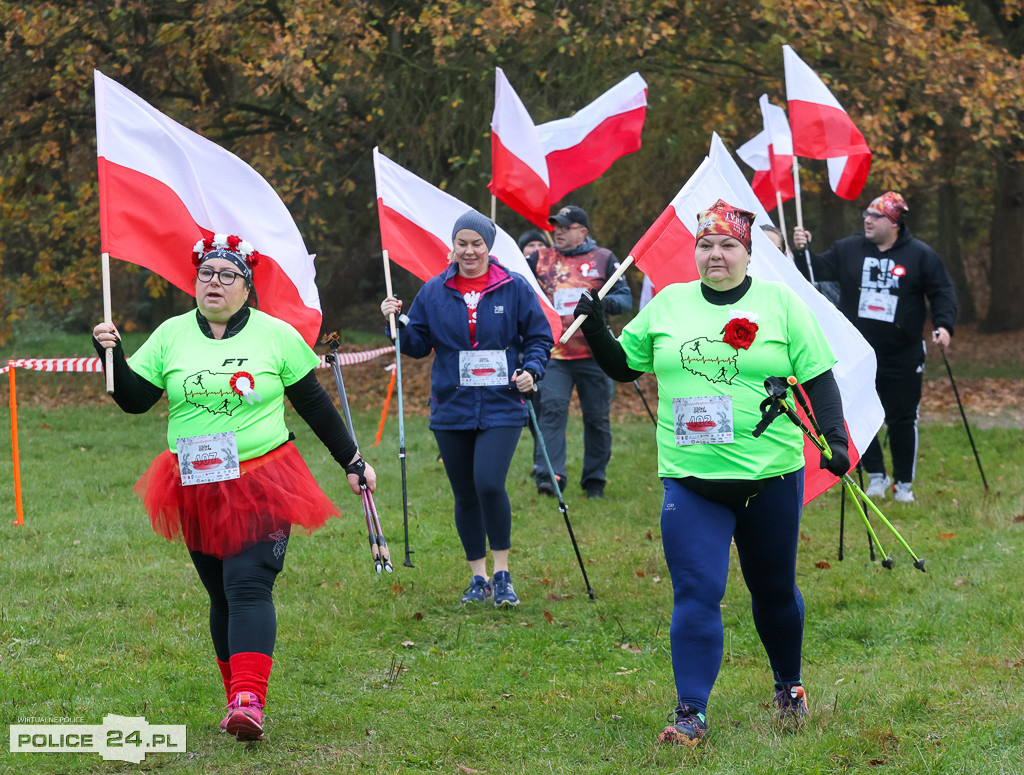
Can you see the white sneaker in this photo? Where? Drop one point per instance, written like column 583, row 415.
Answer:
column 903, row 493
column 878, row 485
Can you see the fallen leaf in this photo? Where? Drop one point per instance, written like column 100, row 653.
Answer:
column 640, row 573
column 803, row 537
column 1019, row 518
column 656, row 579
column 418, row 616
column 526, row 624
column 944, row 535
column 876, row 762
column 650, row 536
column 958, row 582
column 464, row 769
column 630, row 649
column 558, row 598
column 823, row 564
column 371, row 732
column 397, row 589
column 408, row 643
column 550, row 617
column 544, row 581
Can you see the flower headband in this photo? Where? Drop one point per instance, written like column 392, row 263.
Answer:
column 228, row 246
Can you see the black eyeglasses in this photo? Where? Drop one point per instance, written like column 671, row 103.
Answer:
column 224, row 276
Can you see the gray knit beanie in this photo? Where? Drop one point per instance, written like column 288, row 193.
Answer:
column 481, row 224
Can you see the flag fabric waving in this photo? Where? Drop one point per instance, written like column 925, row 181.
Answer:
column 580, row 148
column 535, row 166
column 770, row 154
column 822, row 129
column 416, row 221
column 163, row 188
column 668, row 248
column 519, row 171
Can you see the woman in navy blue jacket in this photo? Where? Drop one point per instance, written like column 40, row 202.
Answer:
column 490, row 341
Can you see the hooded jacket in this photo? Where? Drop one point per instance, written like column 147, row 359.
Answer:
column 509, row 318
column 910, row 271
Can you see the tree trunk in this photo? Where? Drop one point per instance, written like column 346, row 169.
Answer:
column 1006, row 275
column 948, row 246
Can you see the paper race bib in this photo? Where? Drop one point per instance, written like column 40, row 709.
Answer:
column 703, row 420
column 209, row 458
column 480, row 368
column 566, row 299
column 877, row 305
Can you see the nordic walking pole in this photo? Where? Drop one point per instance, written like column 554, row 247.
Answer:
column 108, row 363
column 558, row 491
column 967, row 427
column 639, row 392
column 572, row 329
column 401, row 413
column 378, row 544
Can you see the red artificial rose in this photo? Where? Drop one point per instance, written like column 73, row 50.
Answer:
column 233, row 241
column 740, row 332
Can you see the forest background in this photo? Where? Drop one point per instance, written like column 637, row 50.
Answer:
column 304, row 90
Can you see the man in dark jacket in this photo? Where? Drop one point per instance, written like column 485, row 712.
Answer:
column 884, row 278
column 573, row 265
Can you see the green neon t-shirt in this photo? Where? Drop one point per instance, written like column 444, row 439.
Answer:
column 200, row 376
column 713, row 386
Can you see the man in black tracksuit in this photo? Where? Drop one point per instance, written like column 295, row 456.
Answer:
column 884, row 277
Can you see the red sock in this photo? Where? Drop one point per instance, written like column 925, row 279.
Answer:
column 250, row 672
column 225, row 673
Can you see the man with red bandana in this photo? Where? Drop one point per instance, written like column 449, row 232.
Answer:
column 884, row 278
column 576, row 264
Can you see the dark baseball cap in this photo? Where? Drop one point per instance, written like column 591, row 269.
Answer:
column 569, row 215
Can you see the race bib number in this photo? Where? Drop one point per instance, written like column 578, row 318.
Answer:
column 877, row 305
column 481, row 368
column 566, row 299
column 209, row 458
column 703, row 420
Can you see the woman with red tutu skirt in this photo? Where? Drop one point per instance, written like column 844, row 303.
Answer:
column 231, row 484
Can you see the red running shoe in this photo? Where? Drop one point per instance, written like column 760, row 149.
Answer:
column 245, row 717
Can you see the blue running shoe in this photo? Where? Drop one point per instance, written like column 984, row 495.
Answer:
column 504, row 595
column 689, row 726
column 479, row 589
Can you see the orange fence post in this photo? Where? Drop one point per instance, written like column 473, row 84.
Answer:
column 14, row 448
column 387, row 403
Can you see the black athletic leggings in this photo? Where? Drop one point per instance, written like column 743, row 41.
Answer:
column 477, row 465
column 242, row 615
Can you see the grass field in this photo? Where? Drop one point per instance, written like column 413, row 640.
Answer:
column 906, row 672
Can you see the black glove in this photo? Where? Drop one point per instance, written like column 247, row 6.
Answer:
column 593, row 308
column 359, row 469
column 840, row 462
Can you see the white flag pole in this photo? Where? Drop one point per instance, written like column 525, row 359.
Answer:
column 782, row 215
column 800, row 215
column 600, row 294
column 108, row 367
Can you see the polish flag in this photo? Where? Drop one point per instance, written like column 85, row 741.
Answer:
column 770, row 154
column 163, row 188
column 416, row 221
column 667, row 250
column 519, row 171
column 822, row 129
column 579, row 149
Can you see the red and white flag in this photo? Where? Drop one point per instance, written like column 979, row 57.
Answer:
column 580, row 148
column 163, row 188
column 822, row 129
column 416, row 221
column 535, row 166
column 519, row 171
column 668, row 248
column 770, row 154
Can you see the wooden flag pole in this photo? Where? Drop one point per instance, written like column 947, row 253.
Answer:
column 600, row 294
column 108, row 367
column 494, row 208
column 800, row 214
column 15, row 459
column 401, row 411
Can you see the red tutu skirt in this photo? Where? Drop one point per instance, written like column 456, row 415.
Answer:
column 273, row 492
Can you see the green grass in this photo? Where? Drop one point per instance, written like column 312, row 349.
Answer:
column 906, row 672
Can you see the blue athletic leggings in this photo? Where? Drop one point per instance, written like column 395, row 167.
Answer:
column 477, row 464
column 696, row 535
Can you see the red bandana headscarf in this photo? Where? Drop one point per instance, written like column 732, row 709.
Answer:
column 723, row 218
column 891, row 205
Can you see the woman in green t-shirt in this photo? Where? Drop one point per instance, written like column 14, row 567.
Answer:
column 711, row 344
